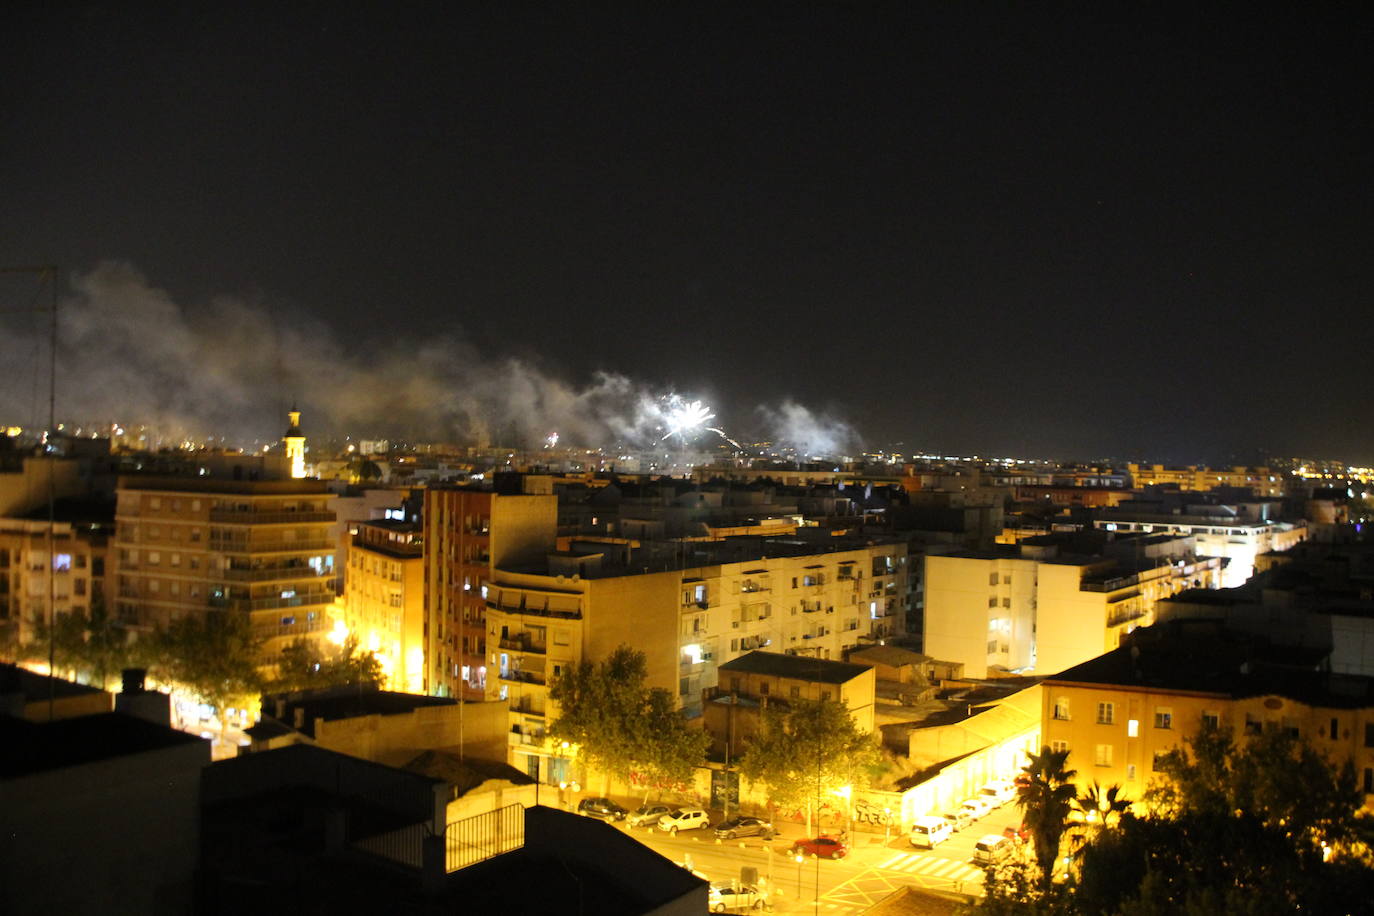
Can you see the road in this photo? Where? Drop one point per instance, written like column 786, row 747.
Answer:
column 875, row 867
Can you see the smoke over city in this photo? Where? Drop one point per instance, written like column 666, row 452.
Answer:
column 128, row 352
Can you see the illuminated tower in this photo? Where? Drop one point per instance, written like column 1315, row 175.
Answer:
column 295, row 444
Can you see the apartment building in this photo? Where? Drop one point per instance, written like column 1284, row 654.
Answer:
column 384, row 601
column 1263, row 481
column 1118, row 713
column 188, row 546
column 1215, row 535
column 1051, row 602
column 690, row 607
column 733, row 709
column 467, row 531
column 59, row 566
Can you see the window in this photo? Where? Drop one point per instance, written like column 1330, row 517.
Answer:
column 1103, row 756
column 1211, row 720
column 1132, row 728
column 992, row 601
column 992, row 578
column 1106, row 713
column 763, row 688
column 153, row 557
column 1059, row 747
column 1368, row 781
column 1006, row 579
column 1006, row 602
column 1369, row 734
column 825, row 695
column 1061, row 709
column 1130, row 772
column 62, row 562
column 1157, row 759
column 1164, row 717
column 795, row 692
column 80, row 587
column 1335, row 729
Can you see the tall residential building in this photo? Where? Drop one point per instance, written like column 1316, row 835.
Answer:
column 1217, row 535
column 58, row 565
column 689, row 606
column 384, row 602
column 1051, row 602
column 467, row 531
column 1263, row 481
column 188, row 546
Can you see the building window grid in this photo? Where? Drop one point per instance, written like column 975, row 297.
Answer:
column 1106, row 713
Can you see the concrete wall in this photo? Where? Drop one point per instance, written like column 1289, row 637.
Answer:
column 396, row 739
column 115, row 836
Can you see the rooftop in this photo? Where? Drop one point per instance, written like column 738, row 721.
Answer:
column 33, row 747
column 343, row 703
column 818, row 670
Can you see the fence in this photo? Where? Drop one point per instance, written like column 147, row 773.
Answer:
column 478, row 838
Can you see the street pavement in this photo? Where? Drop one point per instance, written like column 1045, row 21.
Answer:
column 876, row 865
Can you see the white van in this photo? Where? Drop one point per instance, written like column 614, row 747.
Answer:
column 929, row 831
column 990, row 847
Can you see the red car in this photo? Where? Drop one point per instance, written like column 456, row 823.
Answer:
column 827, row 847
column 1017, row 834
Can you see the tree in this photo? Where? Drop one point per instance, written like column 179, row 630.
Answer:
column 308, row 664
column 215, row 656
column 620, row 725
column 1046, row 798
column 95, row 646
column 805, row 750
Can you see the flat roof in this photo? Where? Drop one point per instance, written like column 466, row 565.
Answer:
column 346, row 703
column 802, row 668
column 36, row 747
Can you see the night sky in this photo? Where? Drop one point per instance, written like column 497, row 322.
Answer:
column 1065, row 230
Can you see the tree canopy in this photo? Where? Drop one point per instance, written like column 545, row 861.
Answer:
column 1265, row 827
column 308, row 664
column 622, row 727
column 806, row 750
column 215, row 656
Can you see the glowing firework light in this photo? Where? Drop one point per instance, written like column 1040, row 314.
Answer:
column 684, row 419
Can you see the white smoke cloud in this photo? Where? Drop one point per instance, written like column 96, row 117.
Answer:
column 129, row 353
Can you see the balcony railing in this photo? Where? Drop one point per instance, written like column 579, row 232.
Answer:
column 236, row 545
column 300, row 628
column 523, row 677
column 483, row 836
column 268, row 604
column 264, row 575
column 524, row 644
column 234, row 517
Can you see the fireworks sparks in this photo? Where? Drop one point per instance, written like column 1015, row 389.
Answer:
column 685, row 419
column 551, row 441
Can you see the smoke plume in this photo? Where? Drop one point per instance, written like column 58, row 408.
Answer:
column 129, row 353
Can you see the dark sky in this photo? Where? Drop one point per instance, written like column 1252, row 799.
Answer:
column 1054, row 229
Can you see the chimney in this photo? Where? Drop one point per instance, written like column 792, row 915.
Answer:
column 137, row 701
column 299, row 718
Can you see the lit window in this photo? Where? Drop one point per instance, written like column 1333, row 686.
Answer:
column 1132, row 728
column 1103, row 757
column 1061, row 709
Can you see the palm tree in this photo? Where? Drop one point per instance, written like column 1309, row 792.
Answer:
column 1102, row 805
column 1046, row 796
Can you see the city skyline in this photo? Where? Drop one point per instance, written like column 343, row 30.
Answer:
column 1132, row 233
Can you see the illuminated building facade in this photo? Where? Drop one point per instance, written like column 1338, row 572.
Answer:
column 1042, row 606
column 690, row 607
column 384, row 599
column 194, row 546
column 294, row 441
column 1263, row 481
column 467, row 530
column 69, row 567
column 1118, row 713
column 1238, row 540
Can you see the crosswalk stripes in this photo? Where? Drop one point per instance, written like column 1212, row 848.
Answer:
column 930, row 866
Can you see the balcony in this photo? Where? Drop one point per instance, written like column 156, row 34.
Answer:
column 521, row 738
column 527, row 707
column 268, row 604
column 265, row 575
column 522, row 643
column 276, row 630
column 238, row 545
column 524, row 677
column 234, row 517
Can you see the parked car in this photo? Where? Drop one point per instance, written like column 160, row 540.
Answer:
column 991, row 848
column 602, row 808
column 684, row 819
column 744, row 825
column 826, row 847
column 1017, row 834
column 647, row 815
column 723, row 898
column 976, row 807
column 959, row 818
column 930, row 831
column 998, row 792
